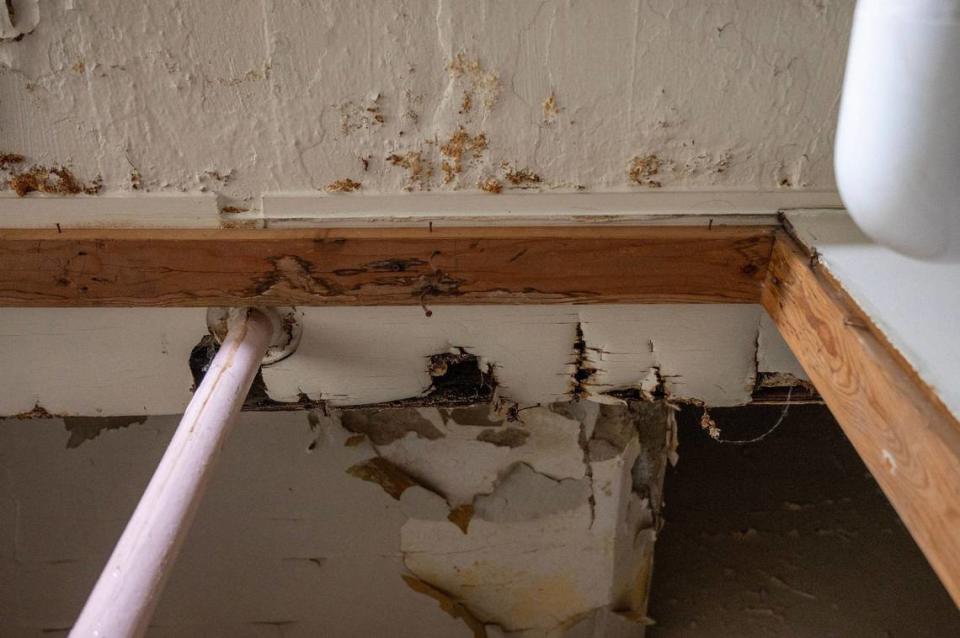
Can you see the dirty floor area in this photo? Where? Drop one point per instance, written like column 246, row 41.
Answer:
column 789, row 536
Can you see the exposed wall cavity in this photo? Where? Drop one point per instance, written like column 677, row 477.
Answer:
column 260, row 97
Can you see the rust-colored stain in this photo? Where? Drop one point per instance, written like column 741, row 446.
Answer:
column 459, row 144
column 520, row 177
column 461, row 516
column 391, row 478
column 478, row 80
column 57, row 180
column 490, row 185
column 9, row 159
column 419, row 169
column 233, row 209
column 345, row 185
column 447, row 603
column 550, row 109
column 643, row 169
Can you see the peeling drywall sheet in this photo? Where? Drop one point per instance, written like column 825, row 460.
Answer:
column 258, row 97
column 545, row 548
column 538, row 550
column 914, row 303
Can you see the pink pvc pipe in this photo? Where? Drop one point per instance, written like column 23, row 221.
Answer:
column 129, row 588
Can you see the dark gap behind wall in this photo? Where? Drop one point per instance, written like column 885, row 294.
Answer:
column 790, row 536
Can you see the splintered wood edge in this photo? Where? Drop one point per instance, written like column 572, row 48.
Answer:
column 382, row 266
column 904, row 433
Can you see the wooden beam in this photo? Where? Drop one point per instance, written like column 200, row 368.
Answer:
column 908, row 439
column 383, row 266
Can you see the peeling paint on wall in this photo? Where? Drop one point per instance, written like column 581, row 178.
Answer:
column 266, row 97
column 116, row 362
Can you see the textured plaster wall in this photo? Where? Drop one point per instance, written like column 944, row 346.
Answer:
column 246, row 97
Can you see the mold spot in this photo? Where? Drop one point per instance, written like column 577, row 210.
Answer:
column 459, row 144
column 9, row 159
column 83, row 428
column 363, row 116
column 551, row 110
column 520, row 177
column 643, row 169
column 55, row 181
column 419, row 169
column 504, row 437
column 391, row 478
column 490, row 185
column 477, row 82
column 345, row 185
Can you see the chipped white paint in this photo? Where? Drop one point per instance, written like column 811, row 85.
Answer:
column 255, row 97
column 559, row 563
column 914, row 303
column 135, row 361
column 352, row 356
column 551, row 449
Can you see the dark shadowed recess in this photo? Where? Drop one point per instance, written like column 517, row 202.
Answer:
column 790, row 536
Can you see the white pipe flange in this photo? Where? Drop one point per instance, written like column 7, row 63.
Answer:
column 286, row 329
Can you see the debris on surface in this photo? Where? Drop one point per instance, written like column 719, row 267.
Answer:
column 345, row 185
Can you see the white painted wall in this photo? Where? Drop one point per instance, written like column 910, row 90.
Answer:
column 245, row 97
column 91, row 362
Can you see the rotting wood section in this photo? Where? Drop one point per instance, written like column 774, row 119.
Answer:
column 906, row 436
column 383, row 266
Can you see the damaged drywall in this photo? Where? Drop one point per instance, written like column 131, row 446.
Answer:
column 248, row 98
column 545, row 541
column 531, row 538
column 119, row 362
